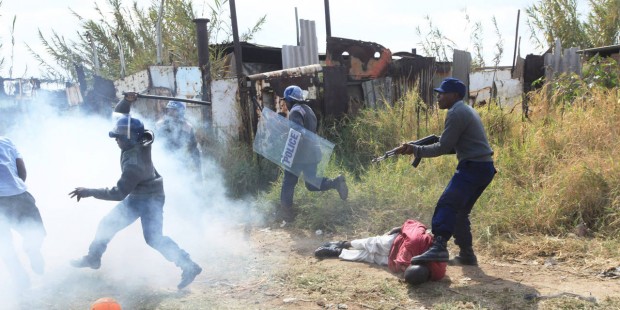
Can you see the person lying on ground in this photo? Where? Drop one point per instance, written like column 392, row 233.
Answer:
column 394, row 249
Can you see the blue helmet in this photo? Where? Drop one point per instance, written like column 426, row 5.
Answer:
column 179, row 106
column 128, row 128
column 293, row 93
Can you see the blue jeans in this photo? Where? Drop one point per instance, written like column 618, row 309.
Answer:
column 149, row 209
column 451, row 217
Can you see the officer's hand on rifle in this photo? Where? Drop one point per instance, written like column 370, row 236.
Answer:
column 404, row 149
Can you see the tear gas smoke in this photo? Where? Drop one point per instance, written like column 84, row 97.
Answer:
column 66, row 149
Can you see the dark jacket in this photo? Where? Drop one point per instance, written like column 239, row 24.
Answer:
column 138, row 176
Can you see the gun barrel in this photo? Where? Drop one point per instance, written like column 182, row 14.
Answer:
column 416, row 161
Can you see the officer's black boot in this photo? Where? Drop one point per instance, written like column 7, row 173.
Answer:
column 438, row 252
column 466, row 257
column 341, row 186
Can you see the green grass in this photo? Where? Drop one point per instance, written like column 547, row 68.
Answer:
column 557, row 169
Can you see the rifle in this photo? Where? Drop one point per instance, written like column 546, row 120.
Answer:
column 416, row 161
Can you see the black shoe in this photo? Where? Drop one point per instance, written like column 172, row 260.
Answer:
column 86, row 261
column 325, row 252
column 286, row 214
column 438, row 252
column 341, row 187
column 189, row 274
column 337, row 244
column 466, row 257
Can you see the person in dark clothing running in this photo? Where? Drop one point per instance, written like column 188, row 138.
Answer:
column 464, row 134
column 307, row 159
column 140, row 191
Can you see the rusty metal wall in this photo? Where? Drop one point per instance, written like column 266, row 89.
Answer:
column 407, row 73
column 378, row 92
column 268, row 87
column 364, row 60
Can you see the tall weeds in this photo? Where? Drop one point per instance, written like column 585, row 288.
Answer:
column 557, row 169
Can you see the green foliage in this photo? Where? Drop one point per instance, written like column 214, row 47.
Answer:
column 477, row 43
column 603, row 26
column 601, row 72
column 245, row 172
column 556, row 19
column 133, row 30
column 499, row 44
column 434, row 42
column 555, row 171
column 559, row 19
column 373, row 132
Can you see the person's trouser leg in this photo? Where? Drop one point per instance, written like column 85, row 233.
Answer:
column 459, row 197
column 285, row 210
column 151, row 215
column 29, row 225
column 119, row 218
column 9, row 256
column 462, row 228
column 315, row 183
column 374, row 250
column 455, row 204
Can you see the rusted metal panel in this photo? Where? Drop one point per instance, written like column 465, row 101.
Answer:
column 378, row 92
column 189, row 83
column 162, row 76
column 364, row 60
column 410, row 72
column 137, row 82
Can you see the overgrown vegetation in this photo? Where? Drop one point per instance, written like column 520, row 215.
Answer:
column 551, row 20
column 556, row 171
column 132, row 31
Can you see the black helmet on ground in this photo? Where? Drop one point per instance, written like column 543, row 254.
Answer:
column 417, row 274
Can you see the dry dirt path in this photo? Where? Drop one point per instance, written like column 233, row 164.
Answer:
column 275, row 269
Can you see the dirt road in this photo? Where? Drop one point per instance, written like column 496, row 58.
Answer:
column 275, row 269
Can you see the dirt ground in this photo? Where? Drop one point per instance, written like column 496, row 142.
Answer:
column 276, row 270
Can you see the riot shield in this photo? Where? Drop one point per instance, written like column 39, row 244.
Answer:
column 292, row 147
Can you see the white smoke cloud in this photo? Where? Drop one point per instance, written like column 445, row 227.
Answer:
column 66, row 149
